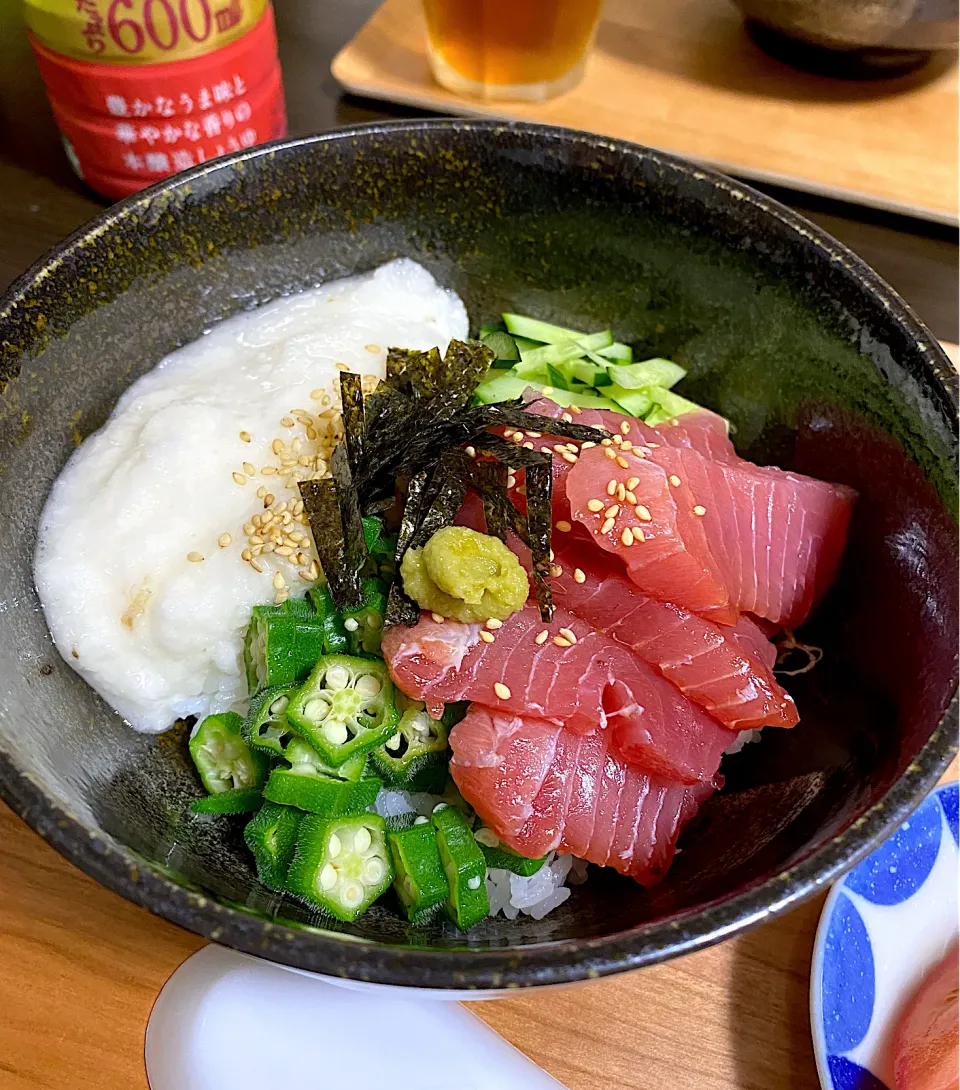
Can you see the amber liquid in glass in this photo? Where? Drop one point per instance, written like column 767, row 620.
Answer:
column 510, row 48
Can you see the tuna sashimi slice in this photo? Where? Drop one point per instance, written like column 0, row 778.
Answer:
column 581, row 685
column 727, row 671
column 591, row 801
column 654, row 530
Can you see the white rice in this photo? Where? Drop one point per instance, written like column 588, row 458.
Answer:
column 509, row 893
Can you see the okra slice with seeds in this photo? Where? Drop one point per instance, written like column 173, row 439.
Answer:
column 238, row 800
column 364, row 625
column 420, row 880
column 347, row 706
column 415, row 758
column 265, row 726
column 223, row 758
column 467, row 902
column 272, row 837
column 280, row 647
column 342, row 865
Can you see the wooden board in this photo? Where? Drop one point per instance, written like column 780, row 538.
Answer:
column 80, row 969
column 684, row 77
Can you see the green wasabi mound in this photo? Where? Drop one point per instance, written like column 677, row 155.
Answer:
column 465, row 575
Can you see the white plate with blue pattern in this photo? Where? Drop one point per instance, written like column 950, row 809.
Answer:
column 883, row 927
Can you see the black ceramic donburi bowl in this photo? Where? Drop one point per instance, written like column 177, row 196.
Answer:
column 815, row 360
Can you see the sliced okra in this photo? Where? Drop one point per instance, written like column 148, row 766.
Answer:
column 420, row 880
column 280, row 647
column 346, row 706
column 341, row 865
column 223, row 758
column 238, row 800
column 467, row 902
column 319, row 794
column 416, row 756
column 272, row 837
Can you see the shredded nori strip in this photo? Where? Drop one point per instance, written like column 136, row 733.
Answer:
column 351, row 398
column 511, row 414
column 324, row 518
column 467, row 366
column 538, row 523
column 445, row 498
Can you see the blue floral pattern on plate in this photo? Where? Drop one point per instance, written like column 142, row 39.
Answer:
column 883, row 925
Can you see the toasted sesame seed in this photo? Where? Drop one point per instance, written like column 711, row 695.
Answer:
column 256, row 565
column 579, row 576
column 674, row 479
column 655, row 446
column 316, row 395
column 501, row 690
column 700, row 510
column 612, row 511
column 638, row 534
column 570, row 459
column 564, row 527
column 437, row 618
column 287, row 421
column 314, row 570
column 621, row 492
column 249, row 468
column 268, row 548
column 606, row 442
column 279, row 582
column 267, row 471
column 594, row 505
column 674, row 423
column 245, row 437
column 268, row 499
column 626, row 445
column 587, row 445
column 284, row 550
column 471, row 452
column 493, row 622
column 546, row 450
column 611, row 454
column 535, row 434
column 542, row 637
column 560, row 448
column 246, row 555
column 298, row 507
column 576, row 410
column 556, row 570
column 643, row 513
column 617, row 439
column 561, row 642
column 529, row 446
column 568, row 635
column 239, row 478
column 276, row 446
column 626, row 536
column 256, row 539
column 551, row 554
column 305, row 576
column 224, row 540
column 566, row 418
column 487, row 637
column 632, row 482
column 511, row 481
column 607, row 525
column 630, row 497
column 194, row 557
column 612, row 487
column 622, row 463
column 261, row 492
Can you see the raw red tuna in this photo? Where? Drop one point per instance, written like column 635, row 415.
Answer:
column 541, row 788
column 658, row 537
column 727, row 671
column 770, row 539
column 583, row 685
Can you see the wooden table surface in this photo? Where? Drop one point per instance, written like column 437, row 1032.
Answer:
column 80, row 967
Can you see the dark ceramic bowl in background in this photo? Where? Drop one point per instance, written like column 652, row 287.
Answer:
column 856, row 38
column 816, row 361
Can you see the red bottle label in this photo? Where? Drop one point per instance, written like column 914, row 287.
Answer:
column 127, row 126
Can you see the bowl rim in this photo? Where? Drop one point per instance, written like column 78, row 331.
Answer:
column 554, row 962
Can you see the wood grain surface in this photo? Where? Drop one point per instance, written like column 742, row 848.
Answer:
column 80, row 969
column 683, row 76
